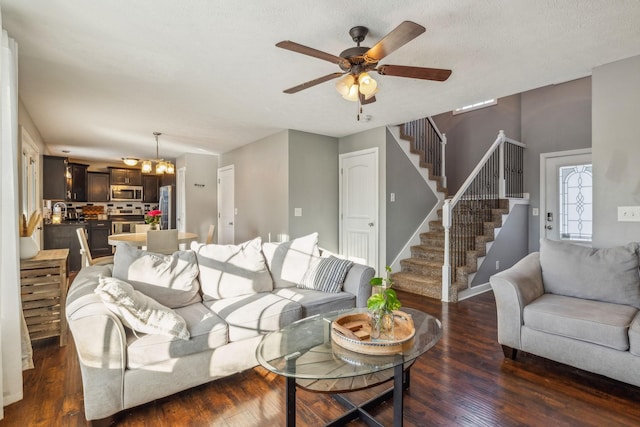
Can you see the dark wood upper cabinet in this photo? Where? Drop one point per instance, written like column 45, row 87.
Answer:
column 121, row 176
column 150, row 188
column 54, row 186
column 167, row 179
column 76, row 182
column 97, row 187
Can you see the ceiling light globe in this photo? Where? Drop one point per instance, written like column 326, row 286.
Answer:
column 368, row 85
column 344, row 85
column 146, row 166
column 353, row 94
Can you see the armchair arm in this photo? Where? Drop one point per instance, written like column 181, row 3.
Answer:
column 514, row 288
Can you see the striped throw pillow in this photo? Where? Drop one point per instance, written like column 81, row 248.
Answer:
column 326, row 274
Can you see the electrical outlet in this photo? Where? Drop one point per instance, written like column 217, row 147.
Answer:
column 497, row 265
column 535, row 212
column 392, row 197
column 297, row 212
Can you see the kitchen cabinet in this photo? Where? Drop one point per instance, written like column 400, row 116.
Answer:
column 150, row 188
column 54, row 185
column 167, row 179
column 76, row 182
column 121, row 176
column 63, row 236
column 97, row 187
column 99, row 238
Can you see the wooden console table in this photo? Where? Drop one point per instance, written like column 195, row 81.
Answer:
column 43, row 283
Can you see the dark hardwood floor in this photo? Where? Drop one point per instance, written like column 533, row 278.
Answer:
column 463, row 381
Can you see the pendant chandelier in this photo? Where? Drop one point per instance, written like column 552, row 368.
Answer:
column 162, row 167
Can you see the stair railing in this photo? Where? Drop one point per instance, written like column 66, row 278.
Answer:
column 430, row 143
column 498, row 175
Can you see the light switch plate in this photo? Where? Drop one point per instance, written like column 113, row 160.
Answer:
column 297, row 212
column 629, row 213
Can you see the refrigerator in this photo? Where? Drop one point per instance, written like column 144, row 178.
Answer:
column 167, row 205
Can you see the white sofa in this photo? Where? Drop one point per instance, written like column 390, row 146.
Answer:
column 576, row 305
column 224, row 298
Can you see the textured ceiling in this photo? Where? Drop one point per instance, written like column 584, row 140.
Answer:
column 99, row 77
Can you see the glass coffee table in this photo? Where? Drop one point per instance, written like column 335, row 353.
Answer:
column 307, row 357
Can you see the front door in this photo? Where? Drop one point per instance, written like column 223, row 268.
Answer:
column 226, row 206
column 359, row 206
column 566, row 196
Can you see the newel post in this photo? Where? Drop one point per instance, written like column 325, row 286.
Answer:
column 443, row 144
column 446, row 267
column 502, row 190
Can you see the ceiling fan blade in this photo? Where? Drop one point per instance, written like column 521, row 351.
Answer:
column 365, row 101
column 397, row 38
column 305, row 50
column 311, row 83
column 437, row 74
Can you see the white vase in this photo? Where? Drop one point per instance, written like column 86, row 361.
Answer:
column 28, row 247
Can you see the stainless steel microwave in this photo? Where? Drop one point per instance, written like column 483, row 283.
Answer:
column 126, row 193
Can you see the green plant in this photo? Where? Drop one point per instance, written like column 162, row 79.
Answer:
column 386, row 300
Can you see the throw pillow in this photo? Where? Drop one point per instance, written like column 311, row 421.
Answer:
column 289, row 261
column 609, row 274
column 326, row 274
column 172, row 280
column 232, row 270
column 139, row 312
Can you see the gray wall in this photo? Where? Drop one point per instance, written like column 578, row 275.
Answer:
column 201, row 202
column 548, row 119
column 469, row 136
column 510, row 246
column 313, row 186
column 413, row 199
column 261, row 187
column 554, row 118
column 616, row 148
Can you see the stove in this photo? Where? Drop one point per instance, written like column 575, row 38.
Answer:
column 124, row 220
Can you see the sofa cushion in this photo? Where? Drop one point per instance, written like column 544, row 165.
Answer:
column 315, row 302
column 326, row 274
column 289, row 261
column 207, row 331
column 228, row 271
column 609, row 274
column 251, row 315
column 171, row 280
column 138, row 311
column 595, row 322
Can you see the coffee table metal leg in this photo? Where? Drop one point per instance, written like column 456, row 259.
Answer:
column 291, row 402
column 399, row 378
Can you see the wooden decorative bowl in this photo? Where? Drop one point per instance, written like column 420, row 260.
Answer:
column 353, row 332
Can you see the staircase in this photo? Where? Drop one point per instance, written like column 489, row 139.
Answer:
column 422, row 273
column 476, row 214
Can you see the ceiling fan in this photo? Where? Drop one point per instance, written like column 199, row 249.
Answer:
column 357, row 62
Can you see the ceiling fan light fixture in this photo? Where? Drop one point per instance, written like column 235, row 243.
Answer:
column 129, row 161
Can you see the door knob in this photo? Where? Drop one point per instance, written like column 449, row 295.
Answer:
column 370, row 224
column 230, row 223
column 549, row 227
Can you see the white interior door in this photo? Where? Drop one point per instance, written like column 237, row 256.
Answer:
column 181, row 205
column 566, row 196
column 226, row 205
column 30, row 180
column 359, row 206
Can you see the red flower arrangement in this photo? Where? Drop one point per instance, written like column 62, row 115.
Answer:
column 153, row 217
